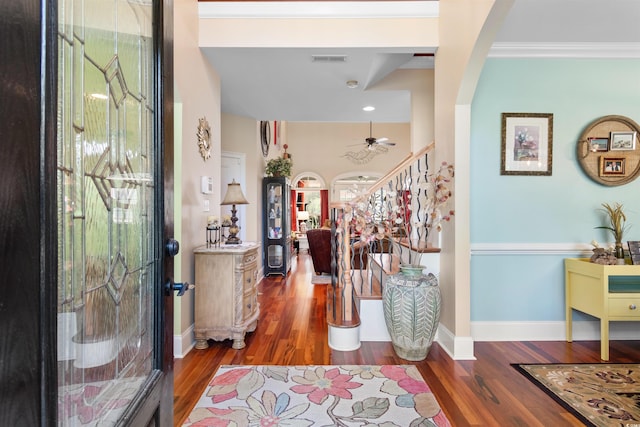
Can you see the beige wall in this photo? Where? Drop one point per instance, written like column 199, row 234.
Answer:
column 461, row 54
column 320, row 147
column 241, row 135
column 197, row 89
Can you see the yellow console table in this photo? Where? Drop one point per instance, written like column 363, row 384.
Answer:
column 589, row 290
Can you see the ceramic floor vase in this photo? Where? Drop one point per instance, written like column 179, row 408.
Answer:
column 411, row 305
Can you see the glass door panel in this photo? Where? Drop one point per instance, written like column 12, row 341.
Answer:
column 108, row 264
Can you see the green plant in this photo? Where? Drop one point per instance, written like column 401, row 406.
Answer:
column 279, row 166
column 617, row 220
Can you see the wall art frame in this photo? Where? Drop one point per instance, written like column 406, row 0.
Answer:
column 589, row 159
column 599, row 144
column 527, row 144
column 612, row 166
column 623, row 141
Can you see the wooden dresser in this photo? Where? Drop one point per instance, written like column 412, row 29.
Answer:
column 226, row 293
column 608, row 292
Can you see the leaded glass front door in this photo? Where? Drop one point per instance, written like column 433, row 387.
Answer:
column 110, row 209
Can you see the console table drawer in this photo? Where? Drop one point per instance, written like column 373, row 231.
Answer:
column 624, row 307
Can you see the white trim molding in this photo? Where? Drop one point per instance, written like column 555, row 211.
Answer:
column 583, row 330
column 568, row 249
column 320, row 9
column 621, row 50
column 182, row 344
column 458, row 348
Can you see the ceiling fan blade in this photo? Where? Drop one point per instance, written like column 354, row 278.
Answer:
column 385, row 141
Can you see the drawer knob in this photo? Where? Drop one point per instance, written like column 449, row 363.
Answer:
column 632, row 307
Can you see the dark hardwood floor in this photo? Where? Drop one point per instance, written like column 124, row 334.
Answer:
column 485, row 392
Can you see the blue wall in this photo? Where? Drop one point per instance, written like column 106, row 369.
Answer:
column 545, row 212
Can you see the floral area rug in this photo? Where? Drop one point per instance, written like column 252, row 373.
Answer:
column 598, row 394
column 323, row 279
column 298, row 396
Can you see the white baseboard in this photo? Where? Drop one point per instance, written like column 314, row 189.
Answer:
column 583, row 330
column 182, row 344
column 458, row 348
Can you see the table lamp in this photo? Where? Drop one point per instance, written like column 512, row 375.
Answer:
column 303, row 217
column 234, row 197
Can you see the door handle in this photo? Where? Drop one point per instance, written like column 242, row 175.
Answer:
column 180, row 287
column 172, row 247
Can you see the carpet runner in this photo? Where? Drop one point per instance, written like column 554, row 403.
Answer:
column 389, row 395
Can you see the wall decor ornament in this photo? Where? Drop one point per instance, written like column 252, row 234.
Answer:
column 204, row 138
column 265, row 137
column 527, row 144
column 621, row 163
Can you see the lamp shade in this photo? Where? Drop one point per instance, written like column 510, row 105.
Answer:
column 303, row 216
column 234, row 195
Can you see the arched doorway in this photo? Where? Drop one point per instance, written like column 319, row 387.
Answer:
column 348, row 185
column 311, row 201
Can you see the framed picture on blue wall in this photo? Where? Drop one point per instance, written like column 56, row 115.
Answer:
column 623, row 141
column 612, row 166
column 599, row 144
column 527, row 144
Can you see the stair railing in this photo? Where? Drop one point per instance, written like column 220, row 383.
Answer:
column 392, row 221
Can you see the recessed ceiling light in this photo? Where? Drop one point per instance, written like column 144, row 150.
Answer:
column 352, row 84
column 369, row 108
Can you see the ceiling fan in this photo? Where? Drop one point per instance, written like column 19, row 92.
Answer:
column 373, row 142
column 374, row 146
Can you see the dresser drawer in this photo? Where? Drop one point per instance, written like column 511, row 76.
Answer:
column 249, row 280
column 249, row 305
column 624, row 307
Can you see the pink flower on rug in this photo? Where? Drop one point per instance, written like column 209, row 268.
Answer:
column 240, row 383
column 215, row 417
column 411, row 390
column 320, row 384
column 83, row 404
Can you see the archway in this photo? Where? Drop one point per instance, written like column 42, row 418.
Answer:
column 310, row 196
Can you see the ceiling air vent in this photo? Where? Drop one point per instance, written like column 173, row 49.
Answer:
column 328, row 58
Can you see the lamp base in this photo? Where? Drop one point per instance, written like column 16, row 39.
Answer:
column 233, row 240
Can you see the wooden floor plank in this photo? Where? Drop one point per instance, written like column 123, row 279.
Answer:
column 292, row 330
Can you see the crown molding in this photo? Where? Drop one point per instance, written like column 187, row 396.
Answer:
column 319, row 9
column 622, row 50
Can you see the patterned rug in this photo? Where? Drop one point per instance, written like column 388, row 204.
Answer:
column 602, row 395
column 299, row 396
column 323, row 279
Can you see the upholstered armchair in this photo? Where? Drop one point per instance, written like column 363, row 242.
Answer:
column 320, row 249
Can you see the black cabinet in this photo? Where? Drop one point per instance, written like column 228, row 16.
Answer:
column 276, row 220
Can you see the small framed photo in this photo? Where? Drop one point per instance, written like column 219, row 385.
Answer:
column 527, row 144
column 612, row 166
column 623, row 141
column 634, row 252
column 599, row 144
